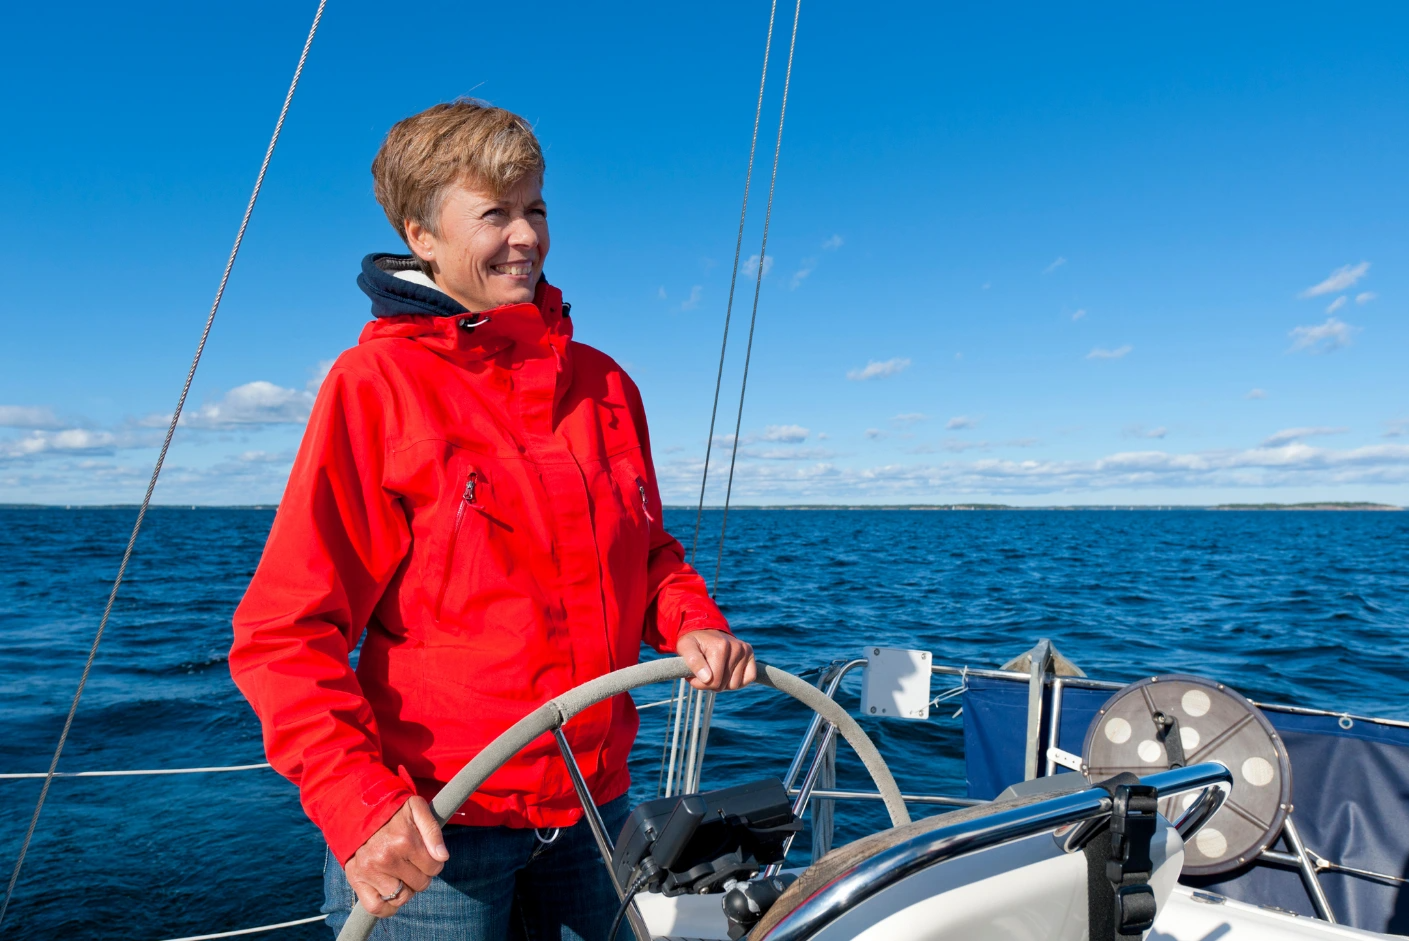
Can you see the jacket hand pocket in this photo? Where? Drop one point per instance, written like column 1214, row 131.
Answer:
column 634, row 495
column 470, row 504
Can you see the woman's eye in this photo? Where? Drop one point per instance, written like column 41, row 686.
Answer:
column 538, row 213
column 494, row 214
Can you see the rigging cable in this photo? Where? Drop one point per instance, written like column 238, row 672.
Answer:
column 734, row 277
column 757, row 285
column 161, row 458
column 260, row 929
column 704, row 708
column 684, row 697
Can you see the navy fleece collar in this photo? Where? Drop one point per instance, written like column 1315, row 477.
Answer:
column 392, row 296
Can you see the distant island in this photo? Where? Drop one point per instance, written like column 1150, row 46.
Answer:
column 1305, row 506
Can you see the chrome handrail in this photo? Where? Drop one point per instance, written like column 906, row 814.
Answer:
column 879, row 872
column 839, row 670
column 821, row 793
column 1086, row 682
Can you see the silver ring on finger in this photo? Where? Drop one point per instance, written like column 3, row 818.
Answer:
column 400, row 887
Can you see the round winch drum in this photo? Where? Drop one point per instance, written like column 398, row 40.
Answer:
column 1215, row 724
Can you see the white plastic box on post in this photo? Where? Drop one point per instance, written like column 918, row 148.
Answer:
column 896, row 683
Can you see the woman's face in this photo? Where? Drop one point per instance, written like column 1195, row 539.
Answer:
column 490, row 249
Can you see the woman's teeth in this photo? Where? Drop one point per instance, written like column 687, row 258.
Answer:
column 520, row 269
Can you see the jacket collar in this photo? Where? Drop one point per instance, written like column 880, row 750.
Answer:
column 393, row 296
column 510, row 335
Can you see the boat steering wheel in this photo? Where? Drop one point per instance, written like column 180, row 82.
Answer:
column 556, row 712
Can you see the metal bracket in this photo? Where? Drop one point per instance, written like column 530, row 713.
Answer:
column 1037, row 674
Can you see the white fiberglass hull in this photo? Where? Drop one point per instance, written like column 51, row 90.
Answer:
column 1025, row 891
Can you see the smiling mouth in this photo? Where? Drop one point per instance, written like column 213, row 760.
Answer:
column 515, row 269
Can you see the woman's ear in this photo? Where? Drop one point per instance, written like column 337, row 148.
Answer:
column 420, row 240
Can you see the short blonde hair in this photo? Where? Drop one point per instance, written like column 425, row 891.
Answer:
column 464, row 141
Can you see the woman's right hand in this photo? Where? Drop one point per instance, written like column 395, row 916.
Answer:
column 398, row 860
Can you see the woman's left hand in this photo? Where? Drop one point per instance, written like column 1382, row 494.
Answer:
column 720, row 660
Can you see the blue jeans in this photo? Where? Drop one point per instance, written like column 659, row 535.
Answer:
column 502, row 884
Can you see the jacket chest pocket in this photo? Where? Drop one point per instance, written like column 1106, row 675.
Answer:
column 464, row 543
column 634, row 495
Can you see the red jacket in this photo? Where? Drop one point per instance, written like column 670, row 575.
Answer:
column 478, row 507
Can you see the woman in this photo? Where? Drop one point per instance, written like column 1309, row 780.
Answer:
column 473, row 501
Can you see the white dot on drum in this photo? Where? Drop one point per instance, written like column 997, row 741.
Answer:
column 1189, row 738
column 1196, row 703
column 1257, row 771
column 1118, row 731
column 1187, row 801
column 1211, row 843
column 1149, row 751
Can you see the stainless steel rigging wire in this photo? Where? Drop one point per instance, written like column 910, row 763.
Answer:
column 757, row 285
column 161, row 458
column 701, row 704
column 684, row 696
column 734, row 277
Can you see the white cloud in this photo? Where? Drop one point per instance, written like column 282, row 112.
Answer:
column 1336, row 304
column 1255, row 394
column 879, row 370
column 788, row 454
column 959, row 422
column 1079, row 314
column 320, row 372
column 254, row 403
column 1290, row 435
column 788, row 433
column 909, row 418
column 1256, row 469
column 751, row 266
column 1397, row 428
column 1117, row 353
column 693, row 301
column 70, row 439
column 1331, row 335
column 1140, row 431
column 1343, row 277
column 660, row 292
column 1365, row 297
column 875, row 434
column 1054, row 265
column 28, row 416
column 832, row 244
column 808, row 266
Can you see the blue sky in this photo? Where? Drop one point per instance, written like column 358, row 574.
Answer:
column 1020, row 254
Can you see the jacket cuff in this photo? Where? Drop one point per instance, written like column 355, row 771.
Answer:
column 711, row 620
column 355, row 805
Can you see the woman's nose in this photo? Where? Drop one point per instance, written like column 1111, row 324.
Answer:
column 522, row 234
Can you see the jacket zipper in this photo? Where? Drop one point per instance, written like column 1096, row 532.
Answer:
column 645, row 505
column 467, row 500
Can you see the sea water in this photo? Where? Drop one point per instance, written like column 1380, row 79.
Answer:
column 1303, row 607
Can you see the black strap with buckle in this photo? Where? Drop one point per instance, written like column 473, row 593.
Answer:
column 1120, row 902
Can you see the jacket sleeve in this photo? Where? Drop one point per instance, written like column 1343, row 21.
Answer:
column 678, row 600
column 337, row 540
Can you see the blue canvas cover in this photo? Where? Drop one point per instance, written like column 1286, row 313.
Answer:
column 1350, row 797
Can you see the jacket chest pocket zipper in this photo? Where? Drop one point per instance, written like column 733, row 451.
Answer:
column 468, row 500
column 645, row 504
